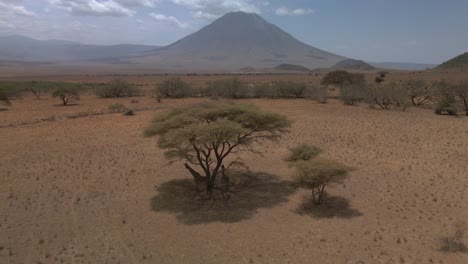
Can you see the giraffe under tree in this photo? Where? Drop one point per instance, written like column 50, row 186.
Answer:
column 204, row 135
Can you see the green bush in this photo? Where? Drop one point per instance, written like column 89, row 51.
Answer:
column 288, row 89
column 303, row 152
column 12, row 89
column 174, row 88
column 316, row 174
column 4, row 97
column 229, row 88
column 116, row 88
column 117, row 107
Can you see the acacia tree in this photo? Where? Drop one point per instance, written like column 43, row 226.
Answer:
column 116, row 88
column 351, row 85
column 39, row 88
column 316, row 174
column 418, row 91
column 67, row 94
column 206, row 134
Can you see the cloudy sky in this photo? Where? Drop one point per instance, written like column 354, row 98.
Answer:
column 425, row 31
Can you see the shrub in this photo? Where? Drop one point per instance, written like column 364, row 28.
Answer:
column 446, row 105
column 454, row 243
column 288, row 89
column 67, row 93
column 352, row 93
column 116, row 88
column 444, row 96
column 319, row 93
column 461, row 92
column 387, row 96
column 174, row 88
column 40, row 88
column 316, row 174
column 117, row 107
column 418, row 92
column 4, row 97
column 12, row 90
column 303, row 152
column 129, row 112
column 228, row 88
column 264, row 90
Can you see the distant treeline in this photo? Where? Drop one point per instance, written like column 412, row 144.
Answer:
column 352, row 88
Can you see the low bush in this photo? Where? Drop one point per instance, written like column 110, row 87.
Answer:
column 117, row 107
column 116, row 88
column 303, row 152
column 173, row 88
column 229, row 88
column 316, row 174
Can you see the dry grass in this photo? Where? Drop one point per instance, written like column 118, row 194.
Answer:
column 94, row 190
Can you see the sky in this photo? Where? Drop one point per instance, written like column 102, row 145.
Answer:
column 420, row 31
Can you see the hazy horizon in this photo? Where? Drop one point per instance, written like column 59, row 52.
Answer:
column 374, row 31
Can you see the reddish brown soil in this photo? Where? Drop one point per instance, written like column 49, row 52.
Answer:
column 92, row 189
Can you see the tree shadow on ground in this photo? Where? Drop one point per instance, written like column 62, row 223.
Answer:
column 252, row 192
column 331, row 206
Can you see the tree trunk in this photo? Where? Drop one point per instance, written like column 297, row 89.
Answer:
column 321, row 194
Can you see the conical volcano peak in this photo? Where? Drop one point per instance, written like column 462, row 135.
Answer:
column 237, row 40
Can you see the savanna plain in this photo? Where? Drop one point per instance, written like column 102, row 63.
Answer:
column 93, row 189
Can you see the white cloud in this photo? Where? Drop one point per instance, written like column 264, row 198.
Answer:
column 97, row 7
column 15, row 10
column 212, row 9
column 137, row 3
column 284, row 11
column 169, row 20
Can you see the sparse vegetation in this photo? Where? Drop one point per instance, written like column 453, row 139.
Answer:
column 206, row 134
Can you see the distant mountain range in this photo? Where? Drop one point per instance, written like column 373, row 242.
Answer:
column 233, row 42
column 23, row 49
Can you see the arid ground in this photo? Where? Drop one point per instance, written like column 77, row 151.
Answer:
column 94, row 190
